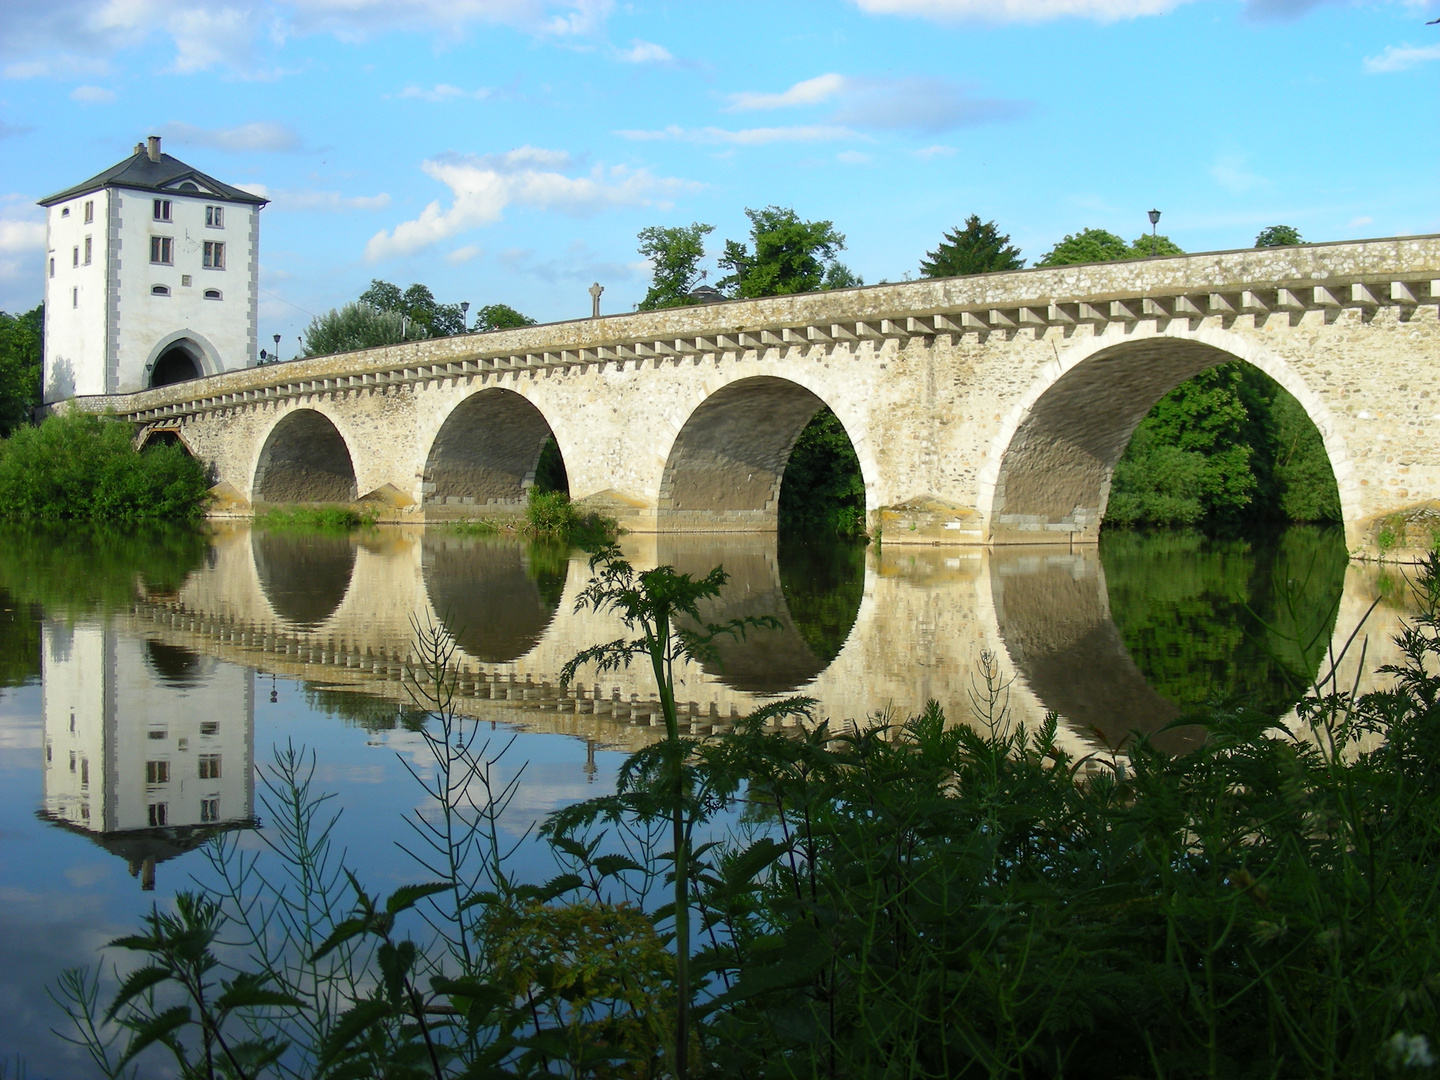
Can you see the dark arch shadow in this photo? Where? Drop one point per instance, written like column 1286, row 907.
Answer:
column 1054, row 479
column 1053, row 613
column 725, row 467
column 175, row 364
column 305, row 460
column 496, row 598
column 304, row 576
column 176, row 666
column 813, row 594
column 485, row 455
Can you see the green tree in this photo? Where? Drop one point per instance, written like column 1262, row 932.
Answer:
column 788, row 256
column 500, row 317
column 1278, row 236
column 354, row 326
column 675, row 254
column 425, row 317
column 976, row 249
column 823, row 493
column 1097, row 245
column 21, row 348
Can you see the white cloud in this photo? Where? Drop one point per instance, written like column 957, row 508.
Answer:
column 808, row 92
column 9, row 131
column 1230, row 173
column 483, row 186
column 326, row 201
column 257, row 136
column 885, row 104
column 463, row 254
column 92, row 95
column 646, row 52
column 745, row 136
column 50, row 37
column 1360, row 222
column 21, row 237
column 993, row 11
column 444, row 92
column 925, row 153
column 1401, row 58
column 853, row 157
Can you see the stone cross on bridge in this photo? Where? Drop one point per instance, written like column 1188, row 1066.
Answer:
column 984, row 410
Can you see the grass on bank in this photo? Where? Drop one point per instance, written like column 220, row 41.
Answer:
column 314, row 518
column 81, row 467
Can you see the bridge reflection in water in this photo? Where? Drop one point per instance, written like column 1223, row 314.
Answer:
column 149, row 713
column 889, row 629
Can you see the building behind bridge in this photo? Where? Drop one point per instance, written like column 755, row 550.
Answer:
column 151, row 277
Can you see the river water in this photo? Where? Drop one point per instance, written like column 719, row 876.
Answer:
column 146, row 677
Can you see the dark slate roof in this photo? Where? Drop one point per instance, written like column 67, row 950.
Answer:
column 139, row 173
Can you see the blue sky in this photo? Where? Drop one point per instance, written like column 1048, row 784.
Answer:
column 509, row 150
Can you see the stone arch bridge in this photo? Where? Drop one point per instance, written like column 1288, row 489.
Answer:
column 984, row 410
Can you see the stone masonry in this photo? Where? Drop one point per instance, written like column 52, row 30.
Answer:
column 984, row 410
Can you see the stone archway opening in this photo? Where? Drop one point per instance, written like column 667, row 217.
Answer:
column 490, row 452
column 178, row 363
column 1058, row 474
column 305, row 460
column 727, row 466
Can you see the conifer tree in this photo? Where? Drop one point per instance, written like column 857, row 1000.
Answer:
column 976, row 249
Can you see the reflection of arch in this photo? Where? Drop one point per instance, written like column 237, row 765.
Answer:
column 495, row 598
column 179, row 356
column 176, row 666
column 725, row 466
column 765, row 661
column 304, row 459
column 1054, row 618
column 304, row 576
column 486, row 452
column 1048, row 475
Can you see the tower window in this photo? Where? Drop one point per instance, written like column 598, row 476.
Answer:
column 89, row 212
column 209, row 727
column 212, row 294
column 65, row 212
column 209, row 810
column 214, row 255
column 75, row 257
column 74, row 298
column 162, row 249
column 209, row 766
column 159, row 814
column 162, row 209
column 87, row 251
column 157, row 772
column 159, row 290
column 52, row 267
column 215, row 216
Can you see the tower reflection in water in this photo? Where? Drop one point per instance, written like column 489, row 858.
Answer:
column 148, row 747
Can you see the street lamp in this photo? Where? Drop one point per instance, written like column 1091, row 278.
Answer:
column 277, row 348
column 1154, row 223
column 464, row 314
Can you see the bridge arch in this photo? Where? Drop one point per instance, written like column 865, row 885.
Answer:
column 304, row 459
column 485, row 453
column 1047, row 476
column 727, row 460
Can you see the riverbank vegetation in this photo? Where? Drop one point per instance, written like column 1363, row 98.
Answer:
column 21, row 349
column 908, row 898
column 85, row 467
column 343, row 519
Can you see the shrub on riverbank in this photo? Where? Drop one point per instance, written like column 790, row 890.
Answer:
column 313, row 518
column 84, row 467
column 552, row 514
column 913, row 899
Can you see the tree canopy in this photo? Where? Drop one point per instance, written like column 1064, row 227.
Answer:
column 426, row 318
column 785, row 255
column 1278, row 236
column 674, row 253
column 976, row 249
column 1098, row 245
column 21, row 349
column 500, row 317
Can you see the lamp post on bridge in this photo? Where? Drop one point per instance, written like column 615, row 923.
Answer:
column 1154, row 224
column 276, row 357
column 464, row 315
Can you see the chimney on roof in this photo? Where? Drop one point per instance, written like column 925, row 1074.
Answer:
column 139, row 148
column 152, row 148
